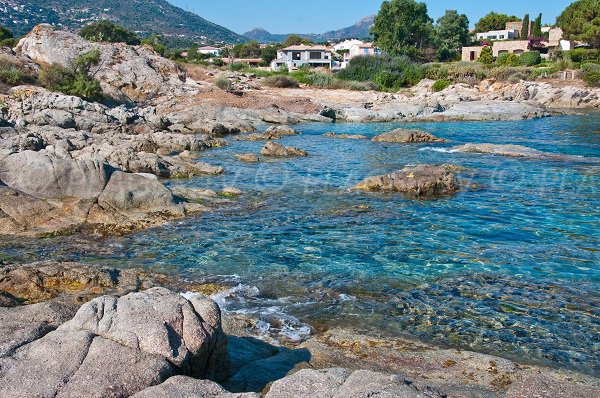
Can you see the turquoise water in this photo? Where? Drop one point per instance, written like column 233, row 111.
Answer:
column 509, row 266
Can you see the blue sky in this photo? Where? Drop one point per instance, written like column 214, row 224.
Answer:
column 318, row 16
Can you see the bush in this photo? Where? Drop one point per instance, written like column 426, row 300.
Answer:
column 281, row 82
column 507, row 59
column 329, row 81
column 510, row 74
column 388, row 73
column 583, row 54
column 108, row 31
column 435, row 71
column 440, row 85
column 75, row 80
column 467, row 72
column 12, row 74
column 487, row 56
column 530, row 58
column 237, row 66
column 8, row 43
column 591, row 74
column 223, row 83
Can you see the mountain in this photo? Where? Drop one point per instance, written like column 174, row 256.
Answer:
column 142, row 16
column 360, row 30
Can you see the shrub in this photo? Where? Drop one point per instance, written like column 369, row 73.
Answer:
column 281, row 82
column 487, row 56
column 108, row 31
column 435, row 71
column 530, row 58
column 507, row 59
column 440, row 85
column 591, row 74
column 510, row 74
column 12, row 74
column 75, row 80
column 223, row 83
column 8, row 43
column 584, row 54
column 388, row 73
column 5, row 33
column 467, row 72
column 237, row 66
column 544, row 72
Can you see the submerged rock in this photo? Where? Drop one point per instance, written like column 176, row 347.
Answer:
column 407, row 136
column 346, row 136
column 500, row 149
column 420, row 181
column 247, row 157
column 277, row 150
column 272, row 133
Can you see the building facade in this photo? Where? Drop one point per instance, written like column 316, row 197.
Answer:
column 210, row 51
column 295, row 57
column 498, row 35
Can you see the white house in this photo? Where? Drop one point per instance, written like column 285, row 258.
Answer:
column 360, row 49
column 347, row 44
column 208, row 50
column 498, row 35
column 294, row 57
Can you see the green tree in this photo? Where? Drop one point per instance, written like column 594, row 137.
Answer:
column 452, row 31
column 402, row 27
column 494, row 21
column 108, row 31
column 155, row 41
column 536, row 30
column 268, row 54
column 295, row 40
column 581, row 21
column 525, row 28
column 487, row 56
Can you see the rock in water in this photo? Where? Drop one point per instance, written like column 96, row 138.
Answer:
column 405, row 136
column 247, row 157
column 346, row 136
column 420, row 181
column 277, row 150
column 272, row 133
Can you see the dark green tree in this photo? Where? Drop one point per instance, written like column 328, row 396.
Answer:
column 452, row 33
column 403, row 27
column 5, row 33
column 295, row 40
column 487, row 56
column 581, row 21
column 268, row 54
column 108, row 31
column 536, row 30
column 525, row 28
column 494, row 21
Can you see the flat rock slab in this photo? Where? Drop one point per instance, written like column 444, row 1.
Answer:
column 342, row 383
column 405, row 136
column 187, row 387
column 346, row 136
column 419, row 181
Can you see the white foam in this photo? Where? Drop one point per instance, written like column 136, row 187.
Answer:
column 437, row 149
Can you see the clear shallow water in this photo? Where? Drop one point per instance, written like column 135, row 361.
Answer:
column 510, row 265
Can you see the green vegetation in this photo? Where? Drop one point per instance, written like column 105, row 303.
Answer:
column 403, row 27
column 110, row 32
column 536, row 30
column 591, row 74
column 75, row 80
column 530, row 58
column 281, row 82
column 156, row 42
column 12, row 74
column 6, row 37
column 525, row 28
column 494, row 21
column 295, row 40
column 581, row 21
column 223, row 83
column 487, row 56
column 440, row 85
column 388, row 73
column 452, row 33
column 507, row 59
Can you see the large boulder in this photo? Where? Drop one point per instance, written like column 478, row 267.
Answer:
column 116, row 347
column 126, row 73
column 420, row 181
column 44, row 175
column 406, row 136
column 187, row 387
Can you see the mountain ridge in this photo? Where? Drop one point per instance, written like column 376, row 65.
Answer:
column 143, row 16
column 359, row 30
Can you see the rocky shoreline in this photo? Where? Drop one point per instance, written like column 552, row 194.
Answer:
column 68, row 165
column 151, row 341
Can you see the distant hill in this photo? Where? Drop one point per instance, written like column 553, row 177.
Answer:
column 359, row 30
column 142, row 16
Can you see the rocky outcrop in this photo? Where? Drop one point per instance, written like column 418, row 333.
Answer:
column 120, row 346
column 419, row 181
column 187, row 387
column 405, row 136
column 346, row 136
column 519, row 151
column 126, row 73
column 274, row 149
column 247, row 157
column 272, row 133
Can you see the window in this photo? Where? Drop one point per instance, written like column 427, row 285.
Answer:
column 502, row 36
column 296, row 56
column 315, row 55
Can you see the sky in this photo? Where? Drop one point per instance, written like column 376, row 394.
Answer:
column 319, row 16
